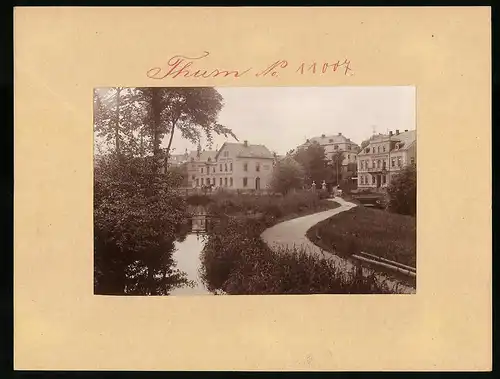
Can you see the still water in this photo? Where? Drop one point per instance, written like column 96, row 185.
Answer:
column 187, row 254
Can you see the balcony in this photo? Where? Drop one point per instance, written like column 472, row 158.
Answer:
column 374, row 169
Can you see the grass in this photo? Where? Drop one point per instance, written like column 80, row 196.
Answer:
column 236, row 260
column 381, row 233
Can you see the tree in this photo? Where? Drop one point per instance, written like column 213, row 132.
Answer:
column 288, row 174
column 114, row 120
column 141, row 119
column 336, row 166
column 402, row 191
column 181, row 171
column 134, row 232
column 192, row 112
column 313, row 160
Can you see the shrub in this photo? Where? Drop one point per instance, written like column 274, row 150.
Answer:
column 136, row 222
column 402, row 192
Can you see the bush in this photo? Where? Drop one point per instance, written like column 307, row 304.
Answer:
column 137, row 218
column 402, row 192
column 274, row 205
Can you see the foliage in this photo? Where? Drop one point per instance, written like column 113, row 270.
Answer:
column 372, row 231
column 237, row 261
column 287, row 175
column 138, row 119
column 314, row 161
column 402, row 191
column 181, row 173
column 335, row 164
column 137, row 218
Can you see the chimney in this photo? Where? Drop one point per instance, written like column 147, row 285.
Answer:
column 406, row 130
column 390, row 133
column 397, row 131
column 323, row 136
column 340, row 134
column 245, row 143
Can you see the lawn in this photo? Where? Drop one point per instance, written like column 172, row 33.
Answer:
column 373, row 231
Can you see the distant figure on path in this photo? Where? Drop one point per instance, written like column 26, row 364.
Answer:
column 313, row 185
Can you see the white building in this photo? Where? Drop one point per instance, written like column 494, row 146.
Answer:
column 384, row 157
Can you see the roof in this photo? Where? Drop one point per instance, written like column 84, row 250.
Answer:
column 204, row 155
column 248, row 151
column 406, row 140
column 326, row 140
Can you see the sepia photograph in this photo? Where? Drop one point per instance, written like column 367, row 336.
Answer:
column 254, row 190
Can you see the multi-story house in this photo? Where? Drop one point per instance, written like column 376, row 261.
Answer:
column 334, row 144
column 385, row 156
column 233, row 166
column 201, row 168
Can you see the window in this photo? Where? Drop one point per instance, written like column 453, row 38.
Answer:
column 362, row 179
column 213, row 181
column 373, row 179
column 231, row 166
column 245, row 182
column 412, row 160
column 336, row 147
column 225, row 182
column 361, row 164
column 330, row 140
column 245, row 167
column 378, row 149
column 378, row 163
column 384, row 163
column 193, row 177
column 374, row 164
column 373, row 150
column 220, row 182
column 257, row 167
column 230, row 182
column 399, row 161
column 348, row 156
column 383, row 179
column 197, row 182
column 202, row 170
column 213, row 169
column 393, row 162
column 348, row 147
column 383, row 148
column 225, row 167
column 221, row 167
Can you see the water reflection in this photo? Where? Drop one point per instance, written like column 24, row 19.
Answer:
column 187, row 253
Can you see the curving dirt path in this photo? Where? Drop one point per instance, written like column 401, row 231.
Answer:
column 293, row 233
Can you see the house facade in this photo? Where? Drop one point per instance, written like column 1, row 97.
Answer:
column 384, row 157
column 334, row 144
column 234, row 166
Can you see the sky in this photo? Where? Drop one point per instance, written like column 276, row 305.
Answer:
column 282, row 118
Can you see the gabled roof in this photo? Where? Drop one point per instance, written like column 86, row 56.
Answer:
column 204, row 155
column 248, row 151
column 405, row 139
column 334, row 138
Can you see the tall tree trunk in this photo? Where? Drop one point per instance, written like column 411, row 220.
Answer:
column 167, row 152
column 156, row 108
column 117, row 124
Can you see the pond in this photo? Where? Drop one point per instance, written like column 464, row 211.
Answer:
column 187, row 253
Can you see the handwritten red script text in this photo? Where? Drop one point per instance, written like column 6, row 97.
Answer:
column 189, row 67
